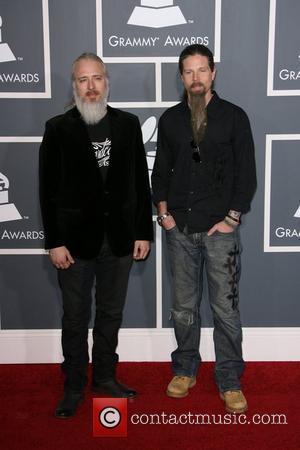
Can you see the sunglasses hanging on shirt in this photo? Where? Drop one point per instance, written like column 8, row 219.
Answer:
column 196, row 155
column 197, row 140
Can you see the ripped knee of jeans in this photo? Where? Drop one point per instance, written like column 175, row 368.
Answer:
column 183, row 317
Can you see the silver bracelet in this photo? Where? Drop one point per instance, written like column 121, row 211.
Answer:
column 162, row 217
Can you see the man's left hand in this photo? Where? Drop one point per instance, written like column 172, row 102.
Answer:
column 222, row 226
column 141, row 250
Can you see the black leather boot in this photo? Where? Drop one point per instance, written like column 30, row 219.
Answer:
column 67, row 407
column 114, row 388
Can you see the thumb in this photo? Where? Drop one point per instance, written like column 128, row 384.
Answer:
column 69, row 257
column 211, row 231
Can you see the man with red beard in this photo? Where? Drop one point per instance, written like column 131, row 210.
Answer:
column 203, row 180
column 96, row 209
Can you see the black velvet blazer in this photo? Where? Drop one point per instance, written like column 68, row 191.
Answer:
column 75, row 203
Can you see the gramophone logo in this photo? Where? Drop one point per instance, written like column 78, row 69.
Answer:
column 282, row 205
column 149, row 131
column 8, row 211
column 156, row 14
column 24, row 49
column 6, row 54
column 297, row 213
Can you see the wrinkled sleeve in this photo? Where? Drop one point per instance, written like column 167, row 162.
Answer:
column 49, row 181
column 244, row 163
column 143, row 220
column 162, row 169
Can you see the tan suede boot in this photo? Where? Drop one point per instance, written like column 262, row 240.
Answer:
column 235, row 401
column 179, row 386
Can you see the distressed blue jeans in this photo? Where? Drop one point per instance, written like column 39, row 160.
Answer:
column 219, row 255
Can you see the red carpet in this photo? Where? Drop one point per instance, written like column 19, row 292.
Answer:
column 29, row 393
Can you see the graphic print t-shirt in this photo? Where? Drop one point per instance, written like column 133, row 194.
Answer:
column 100, row 137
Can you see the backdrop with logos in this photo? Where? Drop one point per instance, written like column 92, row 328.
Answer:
column 256, row 48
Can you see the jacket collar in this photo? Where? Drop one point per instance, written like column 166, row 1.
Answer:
column 214, row 106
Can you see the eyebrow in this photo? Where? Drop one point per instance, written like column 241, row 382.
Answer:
column 195, row 68
column 85, row 75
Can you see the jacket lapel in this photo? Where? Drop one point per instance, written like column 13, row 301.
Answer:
column 116, row 143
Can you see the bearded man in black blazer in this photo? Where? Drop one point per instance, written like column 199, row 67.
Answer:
column 96, row 209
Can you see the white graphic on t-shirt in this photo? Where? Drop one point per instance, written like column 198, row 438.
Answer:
column 102, row 152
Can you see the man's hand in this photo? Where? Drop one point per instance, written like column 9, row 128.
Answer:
column 223, row 227
column 141, row 249
column 168, row 223
column 61, row 257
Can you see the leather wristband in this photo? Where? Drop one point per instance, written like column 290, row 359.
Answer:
column 232, row 222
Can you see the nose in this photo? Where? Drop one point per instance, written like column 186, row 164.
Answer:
column 91, row 83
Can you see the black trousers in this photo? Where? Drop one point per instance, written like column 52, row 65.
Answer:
column 111, row 274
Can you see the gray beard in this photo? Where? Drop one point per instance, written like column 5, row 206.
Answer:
column 198, row 116
column 91, row 112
